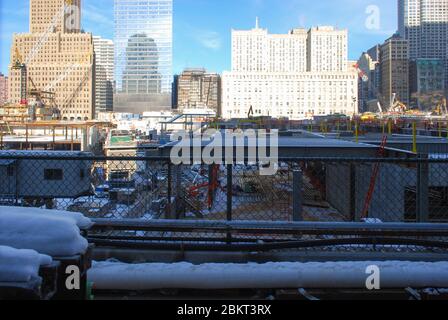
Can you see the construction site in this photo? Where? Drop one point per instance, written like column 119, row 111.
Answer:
column 336, row 197
column 346, row 192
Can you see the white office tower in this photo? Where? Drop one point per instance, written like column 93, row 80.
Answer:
column 327, row 49
column 296, row 75
column 424, row 23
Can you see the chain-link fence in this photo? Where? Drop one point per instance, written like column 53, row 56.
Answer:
column 318, row 190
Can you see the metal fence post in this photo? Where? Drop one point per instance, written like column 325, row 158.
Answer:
column 169, row 192
column 354, row 216
column 211, row 177
column 229, row 192
column 229, row 198
column 178, row 174
column 297, row 205
column 423, row 190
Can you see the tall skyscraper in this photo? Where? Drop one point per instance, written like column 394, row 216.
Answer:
column 142, row 77
column 44, row 13
column 394, row 57
column 3, row 89
column 58, row 57
column 104, row 74
column 427, row 83
column 143, row 54
column 198, row 89
column 287, row 75
column 424, row 23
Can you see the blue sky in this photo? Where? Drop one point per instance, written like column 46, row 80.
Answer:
column 202, row 27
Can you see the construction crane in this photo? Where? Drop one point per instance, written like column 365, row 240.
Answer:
column 18, row 65
column 21, row 64
column 62, row 76
column 380, row 108
column 361, row 74
column 373, row 179
column 394, row 105
column 41, row 95
column 369, row 116
column 68, row 100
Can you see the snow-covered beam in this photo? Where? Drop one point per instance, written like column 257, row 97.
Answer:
column 330, row 275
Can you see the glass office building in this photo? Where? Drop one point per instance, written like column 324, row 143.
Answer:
column 143, row 47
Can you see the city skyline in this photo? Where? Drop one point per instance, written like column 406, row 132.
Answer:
column 424, row 23
column 202, row 29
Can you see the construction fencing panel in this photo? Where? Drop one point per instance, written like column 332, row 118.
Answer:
column 302, row 189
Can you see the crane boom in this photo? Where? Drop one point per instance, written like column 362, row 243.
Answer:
column 72, row 97
column 62, row 76
column 380, row 108
column 21, row 64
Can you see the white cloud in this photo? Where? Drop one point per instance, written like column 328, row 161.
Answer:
column 209, row 39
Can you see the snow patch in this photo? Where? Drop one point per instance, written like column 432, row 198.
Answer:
column 21, row 265
column 81, row 221
column 46, row 233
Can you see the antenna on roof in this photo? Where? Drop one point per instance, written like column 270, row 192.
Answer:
column 257, row 23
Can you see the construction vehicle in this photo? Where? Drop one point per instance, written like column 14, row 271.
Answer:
column 399, row 107
column 441, row 109
column 44, row 107
column 369, row 117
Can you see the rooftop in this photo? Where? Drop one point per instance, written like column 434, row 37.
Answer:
column 301, row 145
